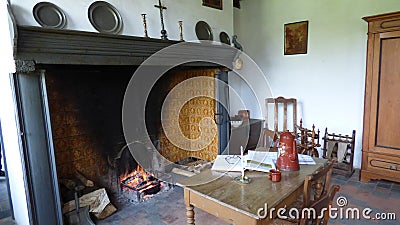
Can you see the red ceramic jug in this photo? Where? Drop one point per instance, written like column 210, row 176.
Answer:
column 287, row 153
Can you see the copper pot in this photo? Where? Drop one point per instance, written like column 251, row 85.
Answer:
column 287, row 154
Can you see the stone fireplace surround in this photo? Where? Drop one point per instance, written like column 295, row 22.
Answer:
column 39, row 53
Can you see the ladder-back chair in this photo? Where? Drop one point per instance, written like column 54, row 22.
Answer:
column 283, row 104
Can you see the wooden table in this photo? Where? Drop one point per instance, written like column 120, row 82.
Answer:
column 219, row 195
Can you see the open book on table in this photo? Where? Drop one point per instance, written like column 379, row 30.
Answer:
column 254, row 160
column 260, row 161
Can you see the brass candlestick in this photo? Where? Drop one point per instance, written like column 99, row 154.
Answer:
column 145, row 25
column 242, row 179
column 180, row 30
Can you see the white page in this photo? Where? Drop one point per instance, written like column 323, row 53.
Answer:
column 260, row 161
column 227, row 163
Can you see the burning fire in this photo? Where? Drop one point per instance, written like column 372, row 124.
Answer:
column 135, row 177
column 140, row 183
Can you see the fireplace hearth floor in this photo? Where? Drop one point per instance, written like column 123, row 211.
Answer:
column 164, row 208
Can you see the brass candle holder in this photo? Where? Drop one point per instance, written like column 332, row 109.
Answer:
column 242, row 179
column 180, row 30
column 145, row 25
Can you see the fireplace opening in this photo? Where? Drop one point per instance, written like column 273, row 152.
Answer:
column 85, row 104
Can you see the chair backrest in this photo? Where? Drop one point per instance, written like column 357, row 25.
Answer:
column 268, row 140
column 282, row 103
column 317, row 208
column 317, row 184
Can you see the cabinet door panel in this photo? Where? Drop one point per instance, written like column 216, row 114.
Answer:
column 388, row 119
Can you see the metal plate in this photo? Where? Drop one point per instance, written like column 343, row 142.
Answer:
column 224, row 38
column 105, row 18
column 49, row 15
column 203, row 31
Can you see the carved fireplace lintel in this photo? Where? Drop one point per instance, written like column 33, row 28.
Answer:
column 25, row 66
column 54, row 46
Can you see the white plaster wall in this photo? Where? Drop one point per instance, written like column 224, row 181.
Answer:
column 328, row 81
column 9, row 123
column 245, row 97
column 189, row 11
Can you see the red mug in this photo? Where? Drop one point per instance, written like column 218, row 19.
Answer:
column 275, row 175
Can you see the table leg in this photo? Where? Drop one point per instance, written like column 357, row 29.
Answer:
column 190, row 215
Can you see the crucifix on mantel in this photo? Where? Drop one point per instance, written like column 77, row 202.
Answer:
column 163, row 31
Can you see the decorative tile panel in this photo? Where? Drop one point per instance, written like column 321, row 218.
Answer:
column 190, row 116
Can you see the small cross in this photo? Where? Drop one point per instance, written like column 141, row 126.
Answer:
column 163, row 31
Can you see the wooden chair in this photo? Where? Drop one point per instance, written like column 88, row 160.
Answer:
column 268, row 140
column 279, row 103
column 341, row 147
column 316, row 186
column 307, row 140
column 318, row 183
column 319, row 206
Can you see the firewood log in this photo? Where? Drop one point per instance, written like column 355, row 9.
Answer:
column 70, row 184
column 108, row 211
column 83, row 179
column 183, row 172
column 97, row 200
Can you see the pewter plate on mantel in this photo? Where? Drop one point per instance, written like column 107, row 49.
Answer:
column 224, row 38
column 105, row 18
column 49, row 15
column 203, row 31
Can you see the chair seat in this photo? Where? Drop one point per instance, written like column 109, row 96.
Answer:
column 281, row 222
column 298, row 205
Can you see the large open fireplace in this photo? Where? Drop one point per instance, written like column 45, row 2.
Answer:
column 72, row 84
column 85, row 105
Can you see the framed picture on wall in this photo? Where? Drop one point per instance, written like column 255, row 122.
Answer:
column 296, row 38
column 217, row 4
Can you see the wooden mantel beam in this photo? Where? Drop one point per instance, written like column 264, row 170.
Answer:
column 54, row 46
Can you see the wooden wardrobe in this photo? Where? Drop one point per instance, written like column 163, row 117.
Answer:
column 381, row 136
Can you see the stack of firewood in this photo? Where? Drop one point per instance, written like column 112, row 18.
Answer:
column 97, row 200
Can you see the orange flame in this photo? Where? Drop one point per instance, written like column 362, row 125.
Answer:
column 135, row 177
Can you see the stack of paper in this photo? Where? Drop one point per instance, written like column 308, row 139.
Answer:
column 227, row 163
column 306, row 160
column 259, row 161
column 255, row 160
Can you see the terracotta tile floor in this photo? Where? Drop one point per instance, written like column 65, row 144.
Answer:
column 382, row 197
column 164, row 208
column 168, row 207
